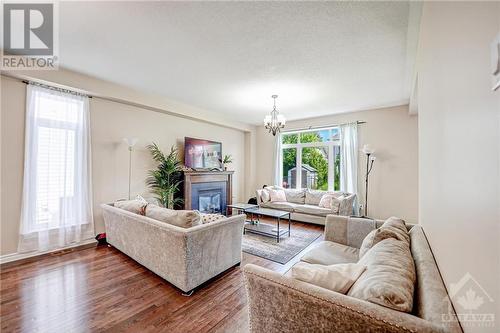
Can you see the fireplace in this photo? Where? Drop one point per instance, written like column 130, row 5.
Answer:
column 210, row 201
column 209, row 197
column 207, row 191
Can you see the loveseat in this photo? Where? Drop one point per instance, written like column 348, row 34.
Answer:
column 281, row 303
column 304, row 204
column 185, row 257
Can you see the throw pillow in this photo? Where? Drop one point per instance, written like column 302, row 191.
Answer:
column 377, row 236
column 208, row 218
column 133, row 206
column 265, row 196
column 389, row 279
column 331, row 201
column 277, row 195
column 141, row 199
column 180, row 218
column 326, row 201
column 335, row 203
column 339, row 277
column 144, row 202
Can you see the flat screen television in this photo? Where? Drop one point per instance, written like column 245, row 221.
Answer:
column 202, row 154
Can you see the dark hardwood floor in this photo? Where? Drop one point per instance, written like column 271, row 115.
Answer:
column 99, row 289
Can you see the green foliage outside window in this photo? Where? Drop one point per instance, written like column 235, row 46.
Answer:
column 316, row 157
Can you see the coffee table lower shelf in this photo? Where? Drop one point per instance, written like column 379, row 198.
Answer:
column 255, row 226
column 265, row 229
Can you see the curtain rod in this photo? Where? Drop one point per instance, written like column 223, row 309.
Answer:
column 56, row 88
column 359, row 122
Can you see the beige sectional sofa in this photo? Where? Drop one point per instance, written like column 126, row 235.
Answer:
column 280, row 303
column 185, row 257
column 304, row 204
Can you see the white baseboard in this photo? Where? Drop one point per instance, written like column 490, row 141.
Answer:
column 18, row 256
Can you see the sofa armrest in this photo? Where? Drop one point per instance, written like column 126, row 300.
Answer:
column 336, row 229
column 258, row 195
column 349, row 231
column 346, row 206
column 212, row 248
column 282, row 304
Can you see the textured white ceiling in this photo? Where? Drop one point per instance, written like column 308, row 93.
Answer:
column 230, row 57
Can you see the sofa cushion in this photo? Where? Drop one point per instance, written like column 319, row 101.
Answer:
column 277, row 195
column 281, row 205
column 295, row 196
column 338, row 278
column 180, row 218
column 312, row 210
column 377, row 236
column 389, row 279
column 313, row 197
column 330, row 253
column 398, row 225
column 134, row 206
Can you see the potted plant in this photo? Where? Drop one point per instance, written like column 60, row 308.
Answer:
column 164, row 181
column 228, row 159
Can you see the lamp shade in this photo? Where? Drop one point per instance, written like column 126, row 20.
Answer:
column 130, row 141
column 368, row 149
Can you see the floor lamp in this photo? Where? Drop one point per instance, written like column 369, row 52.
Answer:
column 130, row 143
column 368, row 150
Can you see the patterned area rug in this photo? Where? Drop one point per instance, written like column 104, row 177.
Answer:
column 282, row 252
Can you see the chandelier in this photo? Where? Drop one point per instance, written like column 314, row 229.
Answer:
column 275, row 121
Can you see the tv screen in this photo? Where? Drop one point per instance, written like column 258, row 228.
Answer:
column 202, row 154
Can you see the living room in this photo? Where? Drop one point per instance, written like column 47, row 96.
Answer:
column 366, row 99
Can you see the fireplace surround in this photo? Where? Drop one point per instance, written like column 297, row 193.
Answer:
column 207, row 191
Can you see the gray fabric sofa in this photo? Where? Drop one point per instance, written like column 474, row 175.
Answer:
column 185, row 257
column 303, row 204
column 279, row 303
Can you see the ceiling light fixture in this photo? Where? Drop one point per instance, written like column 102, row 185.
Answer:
column 275, row 121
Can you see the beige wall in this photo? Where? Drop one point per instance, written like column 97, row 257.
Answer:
column 394, row 179
column 110, row 122
column 102, row 88
column 459, row 145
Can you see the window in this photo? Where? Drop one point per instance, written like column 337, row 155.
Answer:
column 311, row 159
column 56, row 194
column 55, row 133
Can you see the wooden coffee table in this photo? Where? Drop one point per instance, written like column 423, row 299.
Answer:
column 265, row 229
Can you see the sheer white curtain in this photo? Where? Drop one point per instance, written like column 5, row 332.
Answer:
column 278, row 180
column 349, row 159
column 57, row 194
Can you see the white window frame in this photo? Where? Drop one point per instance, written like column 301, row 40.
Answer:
column 331, row 144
